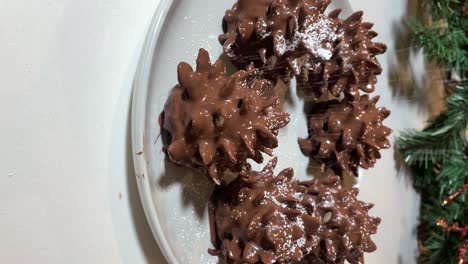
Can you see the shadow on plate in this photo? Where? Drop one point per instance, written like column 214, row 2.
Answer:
column 196, row 189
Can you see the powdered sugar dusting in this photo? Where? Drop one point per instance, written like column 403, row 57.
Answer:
column 316, row 36
column 280, row 44
column 284, row 226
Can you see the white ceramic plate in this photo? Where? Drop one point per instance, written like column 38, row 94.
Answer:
column 175, row 200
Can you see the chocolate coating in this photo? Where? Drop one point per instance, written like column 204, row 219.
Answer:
column 344, row 135
column 260, row 218
column 213, row 122
column 295, row 37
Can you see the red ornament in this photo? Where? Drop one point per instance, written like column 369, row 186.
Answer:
column 463, row 250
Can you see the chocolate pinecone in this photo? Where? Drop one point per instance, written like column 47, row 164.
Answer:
column 345, row 225
column 260, row 218
column 295, row 37
column 347, row 134
column 213, row 122
column 353, row 66
column 253, row 220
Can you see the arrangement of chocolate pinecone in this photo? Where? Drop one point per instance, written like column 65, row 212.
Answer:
column 213, row 122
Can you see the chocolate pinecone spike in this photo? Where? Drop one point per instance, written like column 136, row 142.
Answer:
column 260, row 218
column 295, row 37
column 347, row 134
column 213, row 122
column 345, row 225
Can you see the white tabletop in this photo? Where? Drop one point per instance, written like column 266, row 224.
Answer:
column 67, row 187
column 66, row 183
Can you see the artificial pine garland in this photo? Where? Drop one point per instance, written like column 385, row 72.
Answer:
column 438, row 155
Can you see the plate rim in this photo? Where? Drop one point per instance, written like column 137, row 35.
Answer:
column 140, row 90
